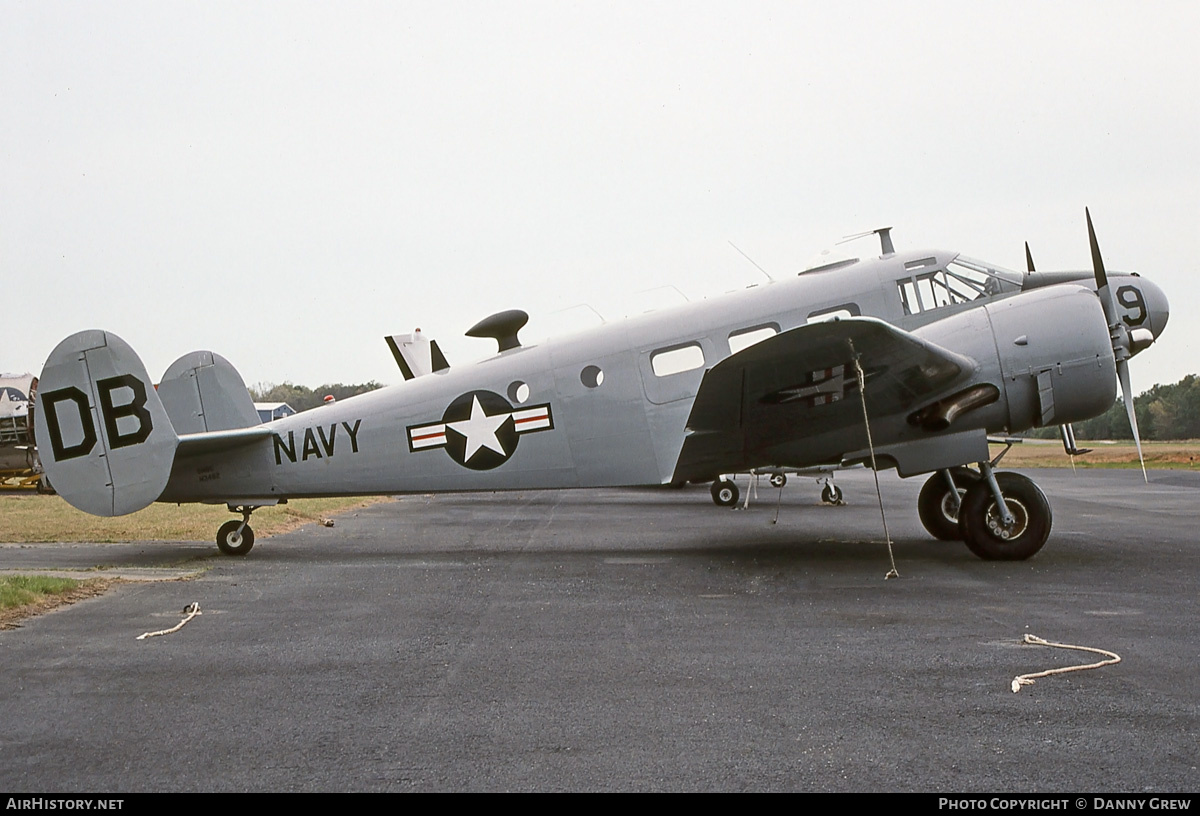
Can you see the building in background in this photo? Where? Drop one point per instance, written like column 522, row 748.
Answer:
column 270, row 411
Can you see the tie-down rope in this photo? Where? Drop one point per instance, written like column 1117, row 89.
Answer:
column 1027, row 679
column 191, row 610
column 862, row 393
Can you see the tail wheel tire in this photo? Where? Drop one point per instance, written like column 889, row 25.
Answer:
column 231, row 542
column 935, row 507
column 725, row 493
column 984, row 532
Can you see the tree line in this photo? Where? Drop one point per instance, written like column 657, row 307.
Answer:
column 1164, row 412
column 302, row 397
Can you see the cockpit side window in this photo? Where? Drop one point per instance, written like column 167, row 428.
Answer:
column 960, row 281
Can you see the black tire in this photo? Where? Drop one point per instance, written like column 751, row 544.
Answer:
column 778, row 480
column 933, row 505
column 230, row 543
column 979, row 520
column 725, row 493
column 831, row 494
column 44, row 487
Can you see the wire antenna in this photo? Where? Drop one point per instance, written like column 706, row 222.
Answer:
column 751, row 260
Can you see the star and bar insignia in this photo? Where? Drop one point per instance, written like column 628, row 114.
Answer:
column 480, row 429
column 820, row 387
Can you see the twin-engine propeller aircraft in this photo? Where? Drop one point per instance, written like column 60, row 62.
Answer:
column 927, row 352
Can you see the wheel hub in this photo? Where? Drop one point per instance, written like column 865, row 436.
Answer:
column 999, row 529
column 948, row 509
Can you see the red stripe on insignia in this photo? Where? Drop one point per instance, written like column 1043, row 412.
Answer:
column 428, row 436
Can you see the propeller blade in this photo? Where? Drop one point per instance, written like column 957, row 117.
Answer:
column 1127, row 396
column 1097, row 261
column 1028, row 258
column 1105, row 294
column 1120, row 337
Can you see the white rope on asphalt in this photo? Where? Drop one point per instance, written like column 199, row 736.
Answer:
column 191, row 610
column 1027, row 679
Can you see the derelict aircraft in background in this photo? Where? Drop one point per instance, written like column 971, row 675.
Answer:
column 939, row 351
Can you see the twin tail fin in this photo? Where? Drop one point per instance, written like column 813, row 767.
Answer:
column 108, row 437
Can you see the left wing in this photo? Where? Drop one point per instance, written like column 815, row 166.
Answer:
column 802, row 383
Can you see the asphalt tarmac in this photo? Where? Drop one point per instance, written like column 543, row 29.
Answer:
column 639, row 640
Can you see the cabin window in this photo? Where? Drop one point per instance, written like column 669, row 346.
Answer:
column 677, row 360
column 745, row 338
column 591, row 376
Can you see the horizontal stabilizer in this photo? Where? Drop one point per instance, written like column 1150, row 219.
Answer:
column 103, row 435
column 216, row 441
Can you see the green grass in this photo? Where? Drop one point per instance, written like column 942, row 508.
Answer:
column 30, row 519
column 21, row 590
column 1180, row 455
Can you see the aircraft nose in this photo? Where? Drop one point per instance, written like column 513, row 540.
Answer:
column 1143, row 310
column 1158, row 310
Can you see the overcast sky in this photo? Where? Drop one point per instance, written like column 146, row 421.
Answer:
column 284, row 183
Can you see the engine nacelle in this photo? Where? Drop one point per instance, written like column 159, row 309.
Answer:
column 1048, row 351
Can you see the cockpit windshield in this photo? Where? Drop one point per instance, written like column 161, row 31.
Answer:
column 929, row 286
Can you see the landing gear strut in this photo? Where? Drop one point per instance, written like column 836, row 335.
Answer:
column 236, row 537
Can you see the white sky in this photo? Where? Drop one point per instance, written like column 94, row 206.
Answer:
column 284, row 183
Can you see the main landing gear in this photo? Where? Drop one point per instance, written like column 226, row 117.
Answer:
column 999, row 516
column 940, row 499
column 236, row 537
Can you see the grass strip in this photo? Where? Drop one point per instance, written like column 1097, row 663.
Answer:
column 31, row 519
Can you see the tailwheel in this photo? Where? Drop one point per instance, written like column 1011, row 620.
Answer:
column 725, row 493
column 235, row 537
column 936, row 506
column 983, row 526
column 778, row 480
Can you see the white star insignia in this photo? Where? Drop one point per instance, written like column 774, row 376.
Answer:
column 480, row 430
